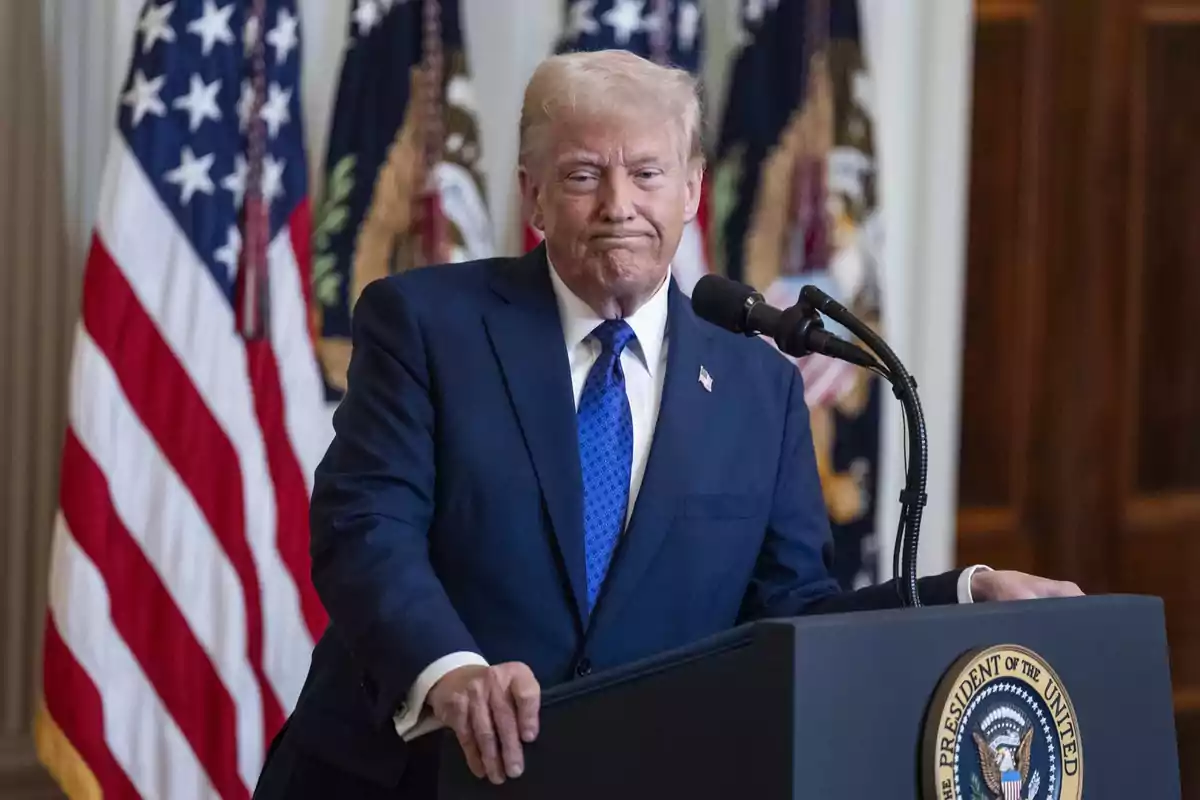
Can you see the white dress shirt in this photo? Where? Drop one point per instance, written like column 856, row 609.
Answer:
column 644, row 362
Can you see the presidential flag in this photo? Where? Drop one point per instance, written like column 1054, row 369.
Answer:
column 404, row 185
column 669, row 32
column 181, row 615
column 794, row 202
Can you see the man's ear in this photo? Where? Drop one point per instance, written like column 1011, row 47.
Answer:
column 531, row 197
column 695, row 182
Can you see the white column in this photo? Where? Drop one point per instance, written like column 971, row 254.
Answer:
column 323, row 24
column 921, row 59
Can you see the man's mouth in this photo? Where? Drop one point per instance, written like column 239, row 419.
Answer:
column 618, row 237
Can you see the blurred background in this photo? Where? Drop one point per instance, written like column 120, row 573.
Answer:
column 1009, row 190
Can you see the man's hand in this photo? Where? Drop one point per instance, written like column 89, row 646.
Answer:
column 492, row 710
column 1006, row 585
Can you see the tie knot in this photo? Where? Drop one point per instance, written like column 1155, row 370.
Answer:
column 614, row 335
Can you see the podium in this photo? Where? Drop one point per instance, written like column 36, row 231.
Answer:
column 1026, row 700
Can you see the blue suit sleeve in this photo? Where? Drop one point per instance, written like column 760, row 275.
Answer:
column 793, row 575
column 373, row 502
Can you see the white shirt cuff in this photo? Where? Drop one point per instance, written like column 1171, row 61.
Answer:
column 964, row 582
column 412, row 719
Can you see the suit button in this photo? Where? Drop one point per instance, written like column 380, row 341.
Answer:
column 583, row 668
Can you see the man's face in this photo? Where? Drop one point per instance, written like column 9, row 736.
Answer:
column 612, row 197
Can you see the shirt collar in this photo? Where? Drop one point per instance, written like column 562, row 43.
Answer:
column 649, row 322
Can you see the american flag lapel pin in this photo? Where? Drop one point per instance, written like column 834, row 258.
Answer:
column 705, row 379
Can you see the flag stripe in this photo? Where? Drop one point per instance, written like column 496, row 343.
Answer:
column 826, row 379
column 145, row 615
column 301, row 256
column 195, row 320
column 160, row 394
column 291, row 495
column 287, row 394
column 171, row 532
column 293, row 340
column 141, row 735
column 689, row 265
column 76, row 708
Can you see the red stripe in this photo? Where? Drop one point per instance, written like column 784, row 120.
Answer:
column 182, row 426
column 300, row 229
column 75, row 705
column 532, row 237
column 291, row 492
column 813, row 366
column 150, row 623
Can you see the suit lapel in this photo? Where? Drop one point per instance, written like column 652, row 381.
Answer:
column 527, row 337
column 685, row 405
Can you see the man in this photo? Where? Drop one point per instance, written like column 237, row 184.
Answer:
column 548, row 465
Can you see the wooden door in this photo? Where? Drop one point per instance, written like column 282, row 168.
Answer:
column 1081, row 373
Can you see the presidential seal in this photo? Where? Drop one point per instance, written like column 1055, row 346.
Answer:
column 1002, row 727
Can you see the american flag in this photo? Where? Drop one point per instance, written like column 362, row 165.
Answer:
column 181, row 618
column 670, row 32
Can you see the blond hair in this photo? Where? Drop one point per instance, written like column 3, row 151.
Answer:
column 609, row 83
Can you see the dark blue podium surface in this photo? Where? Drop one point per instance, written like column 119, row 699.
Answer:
column 847, row 706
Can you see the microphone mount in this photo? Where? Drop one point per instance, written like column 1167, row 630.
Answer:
column 798, row 331
column 913, row 497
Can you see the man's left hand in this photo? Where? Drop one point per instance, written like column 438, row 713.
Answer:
column 989, row 585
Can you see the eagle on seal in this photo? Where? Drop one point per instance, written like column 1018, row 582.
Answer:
column 1004, row 772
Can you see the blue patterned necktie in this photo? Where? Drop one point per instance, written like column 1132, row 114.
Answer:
column 605, row 453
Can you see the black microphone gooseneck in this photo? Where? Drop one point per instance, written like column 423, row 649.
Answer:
column 913, row 497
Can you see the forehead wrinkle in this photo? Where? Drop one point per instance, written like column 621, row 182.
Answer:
column 627, row 148
column 590, row 158
column 640, row 158
column 581, row 156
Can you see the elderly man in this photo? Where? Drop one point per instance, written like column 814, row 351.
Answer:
column 548, row 465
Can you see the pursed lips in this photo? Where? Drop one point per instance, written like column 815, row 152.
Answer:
column 618, row 236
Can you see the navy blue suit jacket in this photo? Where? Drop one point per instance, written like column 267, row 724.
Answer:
column 446, row 515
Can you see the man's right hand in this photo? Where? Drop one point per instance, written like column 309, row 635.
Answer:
column 492, row 710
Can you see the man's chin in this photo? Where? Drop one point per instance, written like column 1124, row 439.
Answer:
column 633, row 278
column 623, row 259
column 623, row 267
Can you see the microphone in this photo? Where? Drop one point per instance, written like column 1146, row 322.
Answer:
column 797, row 331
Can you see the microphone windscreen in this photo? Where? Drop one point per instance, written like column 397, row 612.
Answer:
column 722, row 302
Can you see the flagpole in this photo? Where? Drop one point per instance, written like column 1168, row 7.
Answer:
column 431, row 228
column 256, row 219
column 659, row 36
column 810, row 236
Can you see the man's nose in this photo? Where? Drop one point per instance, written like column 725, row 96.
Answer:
column 617, row 194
